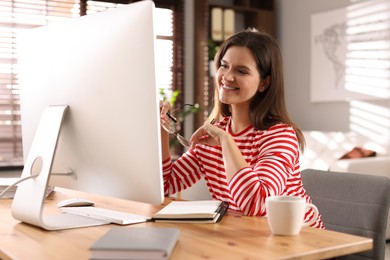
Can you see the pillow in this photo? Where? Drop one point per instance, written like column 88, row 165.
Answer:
column 358, row 152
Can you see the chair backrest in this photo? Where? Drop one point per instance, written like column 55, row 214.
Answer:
column 352, row 203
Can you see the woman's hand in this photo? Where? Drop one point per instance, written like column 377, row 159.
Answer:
column 213, row 135
column 208, row 134
column 165, row 106
column 164, row 119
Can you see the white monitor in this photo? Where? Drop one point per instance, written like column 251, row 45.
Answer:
column 94, row 77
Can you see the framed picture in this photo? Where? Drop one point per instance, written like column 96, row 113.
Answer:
column 350, row 53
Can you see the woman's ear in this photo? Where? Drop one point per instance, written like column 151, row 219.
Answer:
column 265, row 84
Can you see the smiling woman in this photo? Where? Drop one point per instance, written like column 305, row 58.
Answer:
column 252, row 150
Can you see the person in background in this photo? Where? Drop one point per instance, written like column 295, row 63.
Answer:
column 249, row 148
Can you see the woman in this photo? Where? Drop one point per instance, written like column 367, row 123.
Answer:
column 252, row 150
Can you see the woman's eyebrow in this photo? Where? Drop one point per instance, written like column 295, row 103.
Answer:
column 237, row 66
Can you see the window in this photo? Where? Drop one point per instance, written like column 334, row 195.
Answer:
column 15, row 16
column 164, row 32
column 18, row 15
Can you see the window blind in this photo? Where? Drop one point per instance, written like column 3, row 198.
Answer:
column 165, row 41
column 18, row 15
column 15, row 16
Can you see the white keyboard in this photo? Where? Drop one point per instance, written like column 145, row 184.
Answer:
column 113, row 216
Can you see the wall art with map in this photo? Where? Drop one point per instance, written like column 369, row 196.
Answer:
column 350, row 53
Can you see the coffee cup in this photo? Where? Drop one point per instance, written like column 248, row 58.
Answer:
column 286, row 214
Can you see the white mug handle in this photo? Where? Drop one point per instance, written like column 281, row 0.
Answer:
column 314, row 218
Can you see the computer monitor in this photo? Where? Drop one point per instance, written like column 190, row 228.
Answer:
column 90, row 111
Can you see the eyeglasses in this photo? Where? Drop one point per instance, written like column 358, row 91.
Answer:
column 170, row 126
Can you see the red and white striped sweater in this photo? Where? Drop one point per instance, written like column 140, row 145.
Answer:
column 273, row 156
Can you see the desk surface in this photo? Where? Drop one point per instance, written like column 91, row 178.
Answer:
column 235, row 237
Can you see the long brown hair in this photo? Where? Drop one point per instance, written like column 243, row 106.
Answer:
column 267, row 108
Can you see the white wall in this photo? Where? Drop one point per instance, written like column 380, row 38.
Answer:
column 293, row 28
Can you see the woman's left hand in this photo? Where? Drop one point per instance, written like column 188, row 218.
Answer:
column 208, row 134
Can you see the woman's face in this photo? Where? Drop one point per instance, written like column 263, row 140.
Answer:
column 238, row 78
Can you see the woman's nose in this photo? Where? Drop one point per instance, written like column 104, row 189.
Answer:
column 228, row 76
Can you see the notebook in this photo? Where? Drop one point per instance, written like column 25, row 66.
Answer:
column 135, row 243
column 200, row 211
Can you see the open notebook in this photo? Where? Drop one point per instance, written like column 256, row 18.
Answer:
column 200, row 211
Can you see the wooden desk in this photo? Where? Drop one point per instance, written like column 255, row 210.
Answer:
column 235, row 237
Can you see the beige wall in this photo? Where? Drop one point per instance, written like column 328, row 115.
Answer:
column 294, row 36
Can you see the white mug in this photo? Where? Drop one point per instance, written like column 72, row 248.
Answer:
column 286, row 214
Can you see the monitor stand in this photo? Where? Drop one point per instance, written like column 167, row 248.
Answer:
column 27, row 205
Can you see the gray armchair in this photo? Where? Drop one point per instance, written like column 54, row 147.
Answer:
column 357, row 204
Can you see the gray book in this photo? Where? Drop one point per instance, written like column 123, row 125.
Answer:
column 135, row 243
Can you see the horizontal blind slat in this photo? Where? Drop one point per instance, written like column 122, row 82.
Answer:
column 18, row 15
column 15, row 16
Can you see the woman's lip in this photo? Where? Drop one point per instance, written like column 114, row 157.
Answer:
column 228, row 87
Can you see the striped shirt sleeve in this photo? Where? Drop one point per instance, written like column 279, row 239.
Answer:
column 182, row 174
column 278, row 150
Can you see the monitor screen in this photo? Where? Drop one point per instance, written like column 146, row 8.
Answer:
column 102, row 67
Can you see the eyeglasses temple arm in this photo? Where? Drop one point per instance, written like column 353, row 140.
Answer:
column 171, row 117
